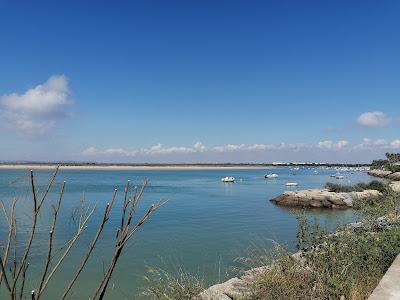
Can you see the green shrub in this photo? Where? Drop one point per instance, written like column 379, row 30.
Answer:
column 359, row 187
column 345, row 265
column 393, row 168
column 379, row 164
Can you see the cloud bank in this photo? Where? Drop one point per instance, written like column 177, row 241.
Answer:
column 323, row 151
column 38, row 109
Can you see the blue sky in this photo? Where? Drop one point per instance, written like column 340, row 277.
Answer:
column 199, row 81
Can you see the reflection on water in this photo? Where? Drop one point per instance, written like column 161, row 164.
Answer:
column 204, row 225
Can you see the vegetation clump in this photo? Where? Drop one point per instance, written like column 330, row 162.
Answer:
column 391, row 163
column 359, row 187
column 347, row 264
column 164, row 285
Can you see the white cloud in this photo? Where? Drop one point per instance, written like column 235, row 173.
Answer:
column 339, row 150
column 38, row 109
column 159, row 149
column 395, row 144
column 380, row 142
column 373, row 119
column 198, row 147
column 90, row 151
column 330, row 145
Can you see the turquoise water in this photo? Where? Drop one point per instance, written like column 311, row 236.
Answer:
column 203, row 227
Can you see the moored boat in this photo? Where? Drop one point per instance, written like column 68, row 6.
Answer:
column 271, row 175
column 228, row 179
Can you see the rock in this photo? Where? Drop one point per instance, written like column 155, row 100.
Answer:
column 365, row 194
column 379, row 173
column 219, row 291
column 239, row 287
column 234, row 288
column 395, row 186
column 385, row 174
column 323, row 198
column 394, row 176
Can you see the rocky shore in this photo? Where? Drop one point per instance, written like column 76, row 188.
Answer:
column 234, row 288
column 237, row 287
column 322, row 198
column 394, row 177
column 240, row 287
column 385, row 174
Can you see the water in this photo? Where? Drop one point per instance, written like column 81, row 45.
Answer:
column 203, row 227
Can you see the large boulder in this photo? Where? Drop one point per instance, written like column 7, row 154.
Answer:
column 395, row 186
column 394, row 176
column 234, row 288
column 322, row 198
column 239, row 287
column 367, row 194
column 379, row 173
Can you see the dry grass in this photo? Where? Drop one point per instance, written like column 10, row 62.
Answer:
column 345, row 265
column 164, row 285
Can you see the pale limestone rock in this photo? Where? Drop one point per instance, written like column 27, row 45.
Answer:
column 394, row 176
column 395, row 186
column 379, row 173
column 323, row 198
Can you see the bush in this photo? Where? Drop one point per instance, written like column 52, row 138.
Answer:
column 394, row 168
column 359, row 187
column 345, row 265
column 288, row 280
column 379, row 164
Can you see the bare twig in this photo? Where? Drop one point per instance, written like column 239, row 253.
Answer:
column 66, row 252
column 51, row 236
column 30, row 240
column 92, row 245
column 124, row 237
column 17, row 276
column 10, row 222
column 21, row 291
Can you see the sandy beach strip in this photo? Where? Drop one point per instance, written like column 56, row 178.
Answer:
column 129, row 167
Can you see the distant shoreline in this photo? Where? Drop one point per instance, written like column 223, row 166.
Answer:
column 100, row 166
column 126, row 167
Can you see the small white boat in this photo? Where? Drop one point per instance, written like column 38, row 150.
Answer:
column 228, row 179
column 339, row 177
column 272, row 175
column 292, row 184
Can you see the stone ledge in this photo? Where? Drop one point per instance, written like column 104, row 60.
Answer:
column 322, row 198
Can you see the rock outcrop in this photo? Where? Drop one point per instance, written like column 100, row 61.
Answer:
column 322, row 198
column 394, row 176
column 234, row 288
column 385, row 174
column 395, row 186
column 238, row 287
column 379, row 173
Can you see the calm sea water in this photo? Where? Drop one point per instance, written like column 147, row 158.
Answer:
column 203, row 228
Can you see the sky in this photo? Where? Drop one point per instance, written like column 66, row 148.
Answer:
column 199, row 81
